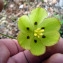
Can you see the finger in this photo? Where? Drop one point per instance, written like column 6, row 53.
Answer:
column 18, row 58
column 58, row 48
column 36, row 59
column 4, row 53
column 12, row 45
column 56, row 58
column 31, row 58
column 20, row 49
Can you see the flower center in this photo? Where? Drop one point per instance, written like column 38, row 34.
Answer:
column 38, row 32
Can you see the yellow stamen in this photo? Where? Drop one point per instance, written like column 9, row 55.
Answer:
column 38, row 32
column 42, row 30
column 41, row 34
column 35, row 34
column 38, row 36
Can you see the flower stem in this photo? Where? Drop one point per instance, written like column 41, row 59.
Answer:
column 7, row 35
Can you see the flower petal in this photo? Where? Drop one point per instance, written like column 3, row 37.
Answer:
column 50, row 24
column 24, row 40
column 24, row 23
column 38, row 14
column 51, row 38
column 37, row 48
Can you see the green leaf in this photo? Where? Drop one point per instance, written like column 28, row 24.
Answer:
column 38, row 14
column 24, row 23
column 50, row 24
column 51, row 38
column 23, row 41
column 37, row 48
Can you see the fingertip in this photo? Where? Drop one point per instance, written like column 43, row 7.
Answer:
column 12, row 46
column 57, row 48
column 56, row 58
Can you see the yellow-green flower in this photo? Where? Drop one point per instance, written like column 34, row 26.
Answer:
column 37, row 30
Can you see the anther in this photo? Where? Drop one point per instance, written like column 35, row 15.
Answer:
column 43, row 36
column 35, row 41
column 35, row 23
column 38, row 32
column 43, row 28
column 27, row 28
column 28, row 37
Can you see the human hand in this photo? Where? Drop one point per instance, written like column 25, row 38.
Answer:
column 11, row 52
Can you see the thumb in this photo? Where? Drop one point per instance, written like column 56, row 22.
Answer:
column 56, row 58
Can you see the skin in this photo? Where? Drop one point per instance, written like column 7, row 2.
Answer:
column 1, row 5
column 11, row 52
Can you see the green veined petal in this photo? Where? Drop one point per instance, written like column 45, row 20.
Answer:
column 51, row 38
column 24, row 23
column 38, row 14
column 37, row 48
column 24, row 40
column 50, row 24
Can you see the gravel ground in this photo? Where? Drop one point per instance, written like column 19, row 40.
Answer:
column 9, row 16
